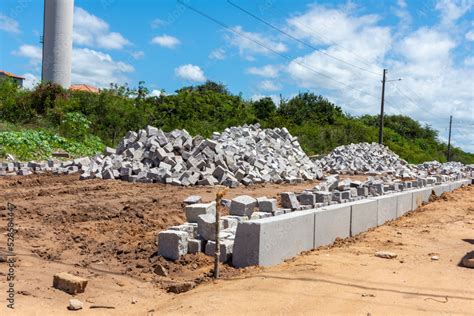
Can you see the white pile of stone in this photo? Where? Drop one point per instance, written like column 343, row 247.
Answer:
column 365, row 158
column 245, row 154
column 451, row 167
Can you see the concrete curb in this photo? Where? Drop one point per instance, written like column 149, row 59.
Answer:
column 272, row 240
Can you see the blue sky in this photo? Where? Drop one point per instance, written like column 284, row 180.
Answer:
column 337, row 48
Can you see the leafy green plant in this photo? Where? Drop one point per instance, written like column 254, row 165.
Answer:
column 37, row 144
column 75, row 125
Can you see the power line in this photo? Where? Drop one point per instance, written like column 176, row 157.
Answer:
column 299, row 40
column 222, row 24
column 321, row 37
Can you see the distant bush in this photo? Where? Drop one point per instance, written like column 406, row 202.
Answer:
column 90, row 120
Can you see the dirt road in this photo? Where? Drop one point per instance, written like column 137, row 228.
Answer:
column 104, row 230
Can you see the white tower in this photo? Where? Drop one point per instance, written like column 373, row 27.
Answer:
column 57, row 41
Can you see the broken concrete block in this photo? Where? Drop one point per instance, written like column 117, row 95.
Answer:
column 242, row 205
column 172, row 244
column 69, row 283
column 194, row 210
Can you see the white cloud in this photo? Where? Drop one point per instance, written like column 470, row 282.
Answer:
column 470, row 36
column 469, row 61
column 33, row 53
column 30, row 81
column 166, row 41
column 274, row 97
column 190, row 72
column 155, row 93
column 434, row 87
column 451, row 10
column 247, row 46
column 218, row 53
column 89, row 30
column 157, row 23
column 268, row 85
column 8, row 24
column 88, row 66
column 267, row 71
column 97, row 68
column 138, row 54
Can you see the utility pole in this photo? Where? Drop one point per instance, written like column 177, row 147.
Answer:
column 449, row 138
column 381, row 108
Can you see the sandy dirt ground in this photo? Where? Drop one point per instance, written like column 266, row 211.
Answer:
column 105, row 231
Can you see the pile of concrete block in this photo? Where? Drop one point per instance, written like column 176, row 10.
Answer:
column 245, row 154
column 11, row 168
column 447, row 168
column 365, row 158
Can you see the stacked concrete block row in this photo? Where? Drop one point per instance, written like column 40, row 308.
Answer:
column 271, row 241
column 249, row 217
column 12, row 168
column 353, row 214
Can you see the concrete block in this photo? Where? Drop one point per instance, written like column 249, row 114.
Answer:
column 196, row 245
column 267, row 205
column 192, row 199
column 190, row 228
column 242, row 205
column 69, row 283
column 440, row 189
column 225, row 247
column 207, row 226
column 258, row 215
column 270, row 241
column 194, row 210
column 386, row 208
column 172, row 244
column 363, row 191
column 307, row 198
column 420, row 196
column 404, row 202
column 323, row 196
column 331, row 222
column 363, row 216
column 289, row 200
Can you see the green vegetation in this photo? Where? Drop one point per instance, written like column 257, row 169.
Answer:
column 34, row 123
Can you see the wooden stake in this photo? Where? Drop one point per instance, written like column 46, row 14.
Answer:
column 217, row 253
